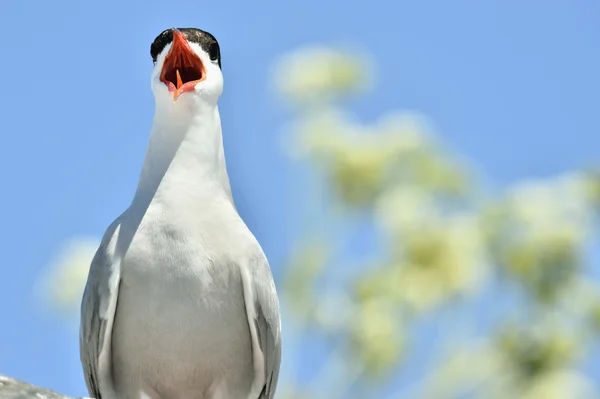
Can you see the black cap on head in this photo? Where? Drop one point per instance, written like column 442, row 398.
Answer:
column 204, row 39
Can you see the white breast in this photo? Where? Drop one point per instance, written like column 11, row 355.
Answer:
column 181, row 329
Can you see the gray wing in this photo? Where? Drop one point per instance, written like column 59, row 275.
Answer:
column 97, row 315
column 268, row 325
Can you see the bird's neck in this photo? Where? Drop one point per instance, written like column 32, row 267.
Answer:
column 185, row 161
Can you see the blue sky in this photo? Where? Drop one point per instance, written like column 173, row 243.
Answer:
column 512, row 85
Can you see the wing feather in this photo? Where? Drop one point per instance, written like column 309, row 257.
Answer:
column 262, row 308
column 97, row 315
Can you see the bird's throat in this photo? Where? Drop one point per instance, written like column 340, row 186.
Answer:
column 185, row 157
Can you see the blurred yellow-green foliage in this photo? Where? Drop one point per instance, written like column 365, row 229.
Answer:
column 517, row 260
column 447, row 243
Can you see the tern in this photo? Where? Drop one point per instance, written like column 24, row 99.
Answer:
column 180, row 301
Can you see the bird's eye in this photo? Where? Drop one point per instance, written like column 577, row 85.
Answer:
column 213, row 51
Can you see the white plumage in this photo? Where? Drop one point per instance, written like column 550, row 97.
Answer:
column 180, row 302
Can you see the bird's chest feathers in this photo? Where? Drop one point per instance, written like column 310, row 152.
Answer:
column 178, row 254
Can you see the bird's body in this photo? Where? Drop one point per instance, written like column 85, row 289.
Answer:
column 175, row 343
column 180, row 302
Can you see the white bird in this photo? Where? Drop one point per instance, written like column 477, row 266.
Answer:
column 180, row 302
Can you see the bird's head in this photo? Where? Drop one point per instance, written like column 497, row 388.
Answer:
column 187, row 66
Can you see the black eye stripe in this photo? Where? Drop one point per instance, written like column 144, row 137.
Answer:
column 204, row 39
column 214, row 52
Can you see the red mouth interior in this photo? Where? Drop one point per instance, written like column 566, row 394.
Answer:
column 181, row 61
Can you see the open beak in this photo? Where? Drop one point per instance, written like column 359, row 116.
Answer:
column 182, row 69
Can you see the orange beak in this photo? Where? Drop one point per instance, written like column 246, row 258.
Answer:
column 182, row 69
